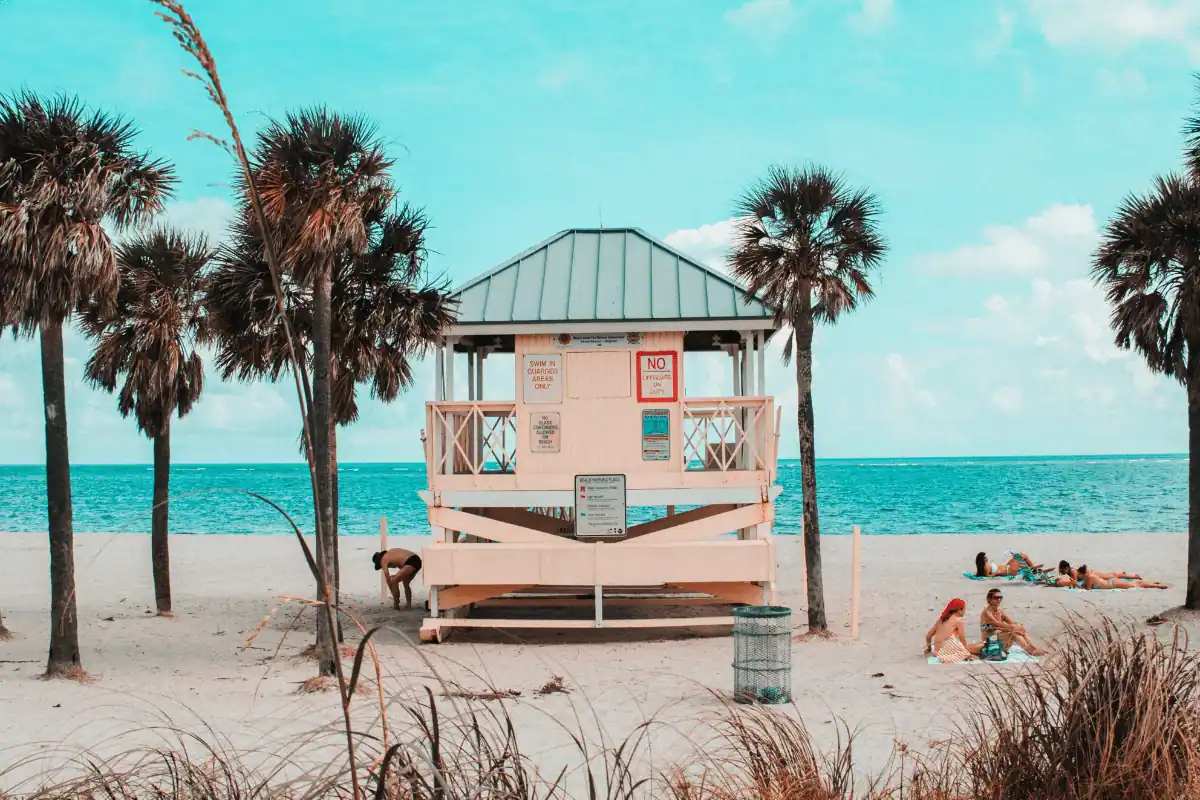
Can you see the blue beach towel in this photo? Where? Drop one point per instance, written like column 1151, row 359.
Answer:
column 974, row 577
column 1015, row 656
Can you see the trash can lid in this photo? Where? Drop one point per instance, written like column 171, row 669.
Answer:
column 760, row 612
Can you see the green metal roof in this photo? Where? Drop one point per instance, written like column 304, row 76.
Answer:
column 603, row 275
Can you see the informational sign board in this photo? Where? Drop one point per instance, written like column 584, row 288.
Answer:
column 576, row 341
column 658, row 376
column 656, row 435
column 544, row 430
column 542, row 379
column 600, row 505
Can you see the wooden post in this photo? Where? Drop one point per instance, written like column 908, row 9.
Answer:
column 854, row 582
column 383, row 584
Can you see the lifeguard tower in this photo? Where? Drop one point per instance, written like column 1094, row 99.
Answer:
column 599, row 496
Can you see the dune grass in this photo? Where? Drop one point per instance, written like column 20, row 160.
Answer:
column 1115, row 716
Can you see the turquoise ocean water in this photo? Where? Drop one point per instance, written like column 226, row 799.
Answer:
column 1007, row 495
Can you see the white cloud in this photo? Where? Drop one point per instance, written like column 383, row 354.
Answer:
column 710, row 244
column 766, row 19
column 904, row 389
column 1062, row 234
column 207, row 215
column 1118, row 23
column 873, row 16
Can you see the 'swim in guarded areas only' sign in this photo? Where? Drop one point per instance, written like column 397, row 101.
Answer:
column 600, row 505
column 542, row 378
column 658, row 376
column 544, row 429
column 656, row 434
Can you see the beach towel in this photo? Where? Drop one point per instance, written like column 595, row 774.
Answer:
column 975, row 577
column 1015, row 656
column 1100, row 591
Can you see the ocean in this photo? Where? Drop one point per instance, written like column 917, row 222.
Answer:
column 1092, row 494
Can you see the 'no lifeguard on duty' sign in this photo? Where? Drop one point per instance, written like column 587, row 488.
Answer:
column 658, row 376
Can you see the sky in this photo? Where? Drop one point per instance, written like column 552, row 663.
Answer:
column 998, row 135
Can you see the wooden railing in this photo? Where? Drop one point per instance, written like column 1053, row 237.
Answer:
column 471, row 438
column 724, row 434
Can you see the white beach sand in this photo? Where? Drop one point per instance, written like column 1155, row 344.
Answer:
column 190, row 667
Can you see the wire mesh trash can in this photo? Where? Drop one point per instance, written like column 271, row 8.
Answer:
column 762, row 654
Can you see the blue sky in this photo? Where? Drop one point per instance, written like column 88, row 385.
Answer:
column 998, row 134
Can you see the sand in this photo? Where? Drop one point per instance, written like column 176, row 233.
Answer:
column 192, row 668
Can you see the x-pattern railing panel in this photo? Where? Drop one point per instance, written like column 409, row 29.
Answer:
column 473, row 433
column 724, row 434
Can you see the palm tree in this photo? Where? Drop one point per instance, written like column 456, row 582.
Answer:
column 806, row 243
column 1148, row 264
column 380, row 319
column 66, row 172
column 147, row 341
column 318, row 175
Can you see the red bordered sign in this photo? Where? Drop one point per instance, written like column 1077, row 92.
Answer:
column 658, row 376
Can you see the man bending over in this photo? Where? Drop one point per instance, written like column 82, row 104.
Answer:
column 406, row 565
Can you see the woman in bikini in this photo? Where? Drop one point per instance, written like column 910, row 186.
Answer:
column 988, row 569
column 1069, row 576
column 947, row 638
column 1088, row 580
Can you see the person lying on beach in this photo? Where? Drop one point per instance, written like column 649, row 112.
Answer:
column 988, row 569
column 947, row 638
column 1069, row 576
column 1087, row 580
column 407, row 564
column 994, row 619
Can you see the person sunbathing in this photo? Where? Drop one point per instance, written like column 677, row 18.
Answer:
column 994, row 619
column 947, row 638
column 406, row 565
column 988, row 569
column 1066, row 570
column 1087, row 580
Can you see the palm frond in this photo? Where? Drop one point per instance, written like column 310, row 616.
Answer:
column 64, row 172
column 146, row 339
column 1148, row 265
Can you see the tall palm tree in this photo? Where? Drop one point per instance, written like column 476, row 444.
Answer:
column 806, row 243
column 146, row 341
column 67, row 171
column 1148, row 264
column 381, row 319
column 317, row 172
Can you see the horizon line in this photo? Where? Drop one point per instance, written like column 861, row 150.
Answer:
column 1033, row 456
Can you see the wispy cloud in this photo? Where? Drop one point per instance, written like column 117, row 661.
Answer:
column 1118, row 23
column 873, row 16
column 765, row 19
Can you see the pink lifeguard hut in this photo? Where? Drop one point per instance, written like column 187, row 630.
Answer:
column 600, row 496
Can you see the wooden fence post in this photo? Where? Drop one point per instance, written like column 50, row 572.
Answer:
column 854, row 581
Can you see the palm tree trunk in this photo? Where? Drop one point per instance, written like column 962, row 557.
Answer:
column 160, row 554
column 63, row 658
column 322, row 416
column 337, row 543
column 808, row 471
column 1193, row 571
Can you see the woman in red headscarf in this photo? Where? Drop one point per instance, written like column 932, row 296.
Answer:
column 947, row 639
